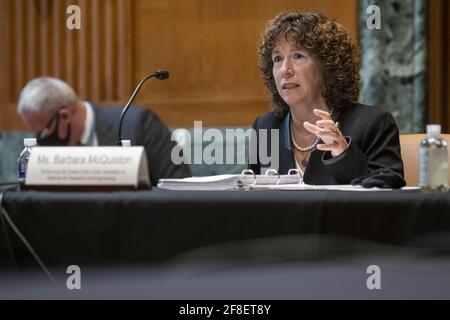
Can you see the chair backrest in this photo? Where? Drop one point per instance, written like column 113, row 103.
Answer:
column 410, row 144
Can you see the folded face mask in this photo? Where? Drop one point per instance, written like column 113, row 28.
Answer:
column 383, row 178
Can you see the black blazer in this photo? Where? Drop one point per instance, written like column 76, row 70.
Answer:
column 143, row 128
column 374, row 143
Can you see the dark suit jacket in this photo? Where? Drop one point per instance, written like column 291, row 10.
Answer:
column 143, row 128
column 374, row 144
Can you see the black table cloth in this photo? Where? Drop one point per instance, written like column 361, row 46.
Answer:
column 153, row 226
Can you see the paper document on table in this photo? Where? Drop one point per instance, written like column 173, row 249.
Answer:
column 246, row 180
column 340, row 187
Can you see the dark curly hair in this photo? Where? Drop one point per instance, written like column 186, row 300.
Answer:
column 328, row 42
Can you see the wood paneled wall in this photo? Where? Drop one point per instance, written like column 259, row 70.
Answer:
column 438, row 63
column 92, row 59
column 209, row 47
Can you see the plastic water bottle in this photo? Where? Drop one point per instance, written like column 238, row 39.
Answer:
column 24, row 156
column 433, row 158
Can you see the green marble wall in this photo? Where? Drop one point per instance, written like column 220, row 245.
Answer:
column 393, row 67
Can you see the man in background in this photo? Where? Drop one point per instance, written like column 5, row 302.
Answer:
column 50, row 108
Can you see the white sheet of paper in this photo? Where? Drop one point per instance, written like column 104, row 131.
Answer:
column 342, row 187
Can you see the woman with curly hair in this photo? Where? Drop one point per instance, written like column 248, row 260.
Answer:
column 311, row 69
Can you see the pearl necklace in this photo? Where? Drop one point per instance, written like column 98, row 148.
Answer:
column 307, row 148
column 302, row 149
column 296, row 146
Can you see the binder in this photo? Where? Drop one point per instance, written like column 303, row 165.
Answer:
column 245, row 181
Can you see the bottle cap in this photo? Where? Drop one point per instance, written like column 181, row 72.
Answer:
column 433, row 130
column 29, row 142
column 126, row 143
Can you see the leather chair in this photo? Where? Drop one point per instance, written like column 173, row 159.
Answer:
column 410, row 144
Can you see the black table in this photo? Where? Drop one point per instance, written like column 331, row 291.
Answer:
column 159, row 225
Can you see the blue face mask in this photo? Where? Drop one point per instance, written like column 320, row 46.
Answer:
column 53, row 139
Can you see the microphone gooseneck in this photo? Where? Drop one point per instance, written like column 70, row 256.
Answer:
column 161, row 75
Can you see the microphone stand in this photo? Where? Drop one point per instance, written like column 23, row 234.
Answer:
column 161, row 75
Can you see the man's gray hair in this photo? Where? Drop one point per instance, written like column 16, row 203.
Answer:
column 45, row 95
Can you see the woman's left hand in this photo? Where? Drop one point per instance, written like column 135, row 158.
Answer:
column 327, row 130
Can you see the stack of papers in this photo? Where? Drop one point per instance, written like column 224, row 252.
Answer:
column 253, row 181
column 228, row 182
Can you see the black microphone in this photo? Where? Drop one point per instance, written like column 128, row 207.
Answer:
column 161, row 75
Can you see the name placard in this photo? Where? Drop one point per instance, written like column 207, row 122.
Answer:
column 88, row 166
